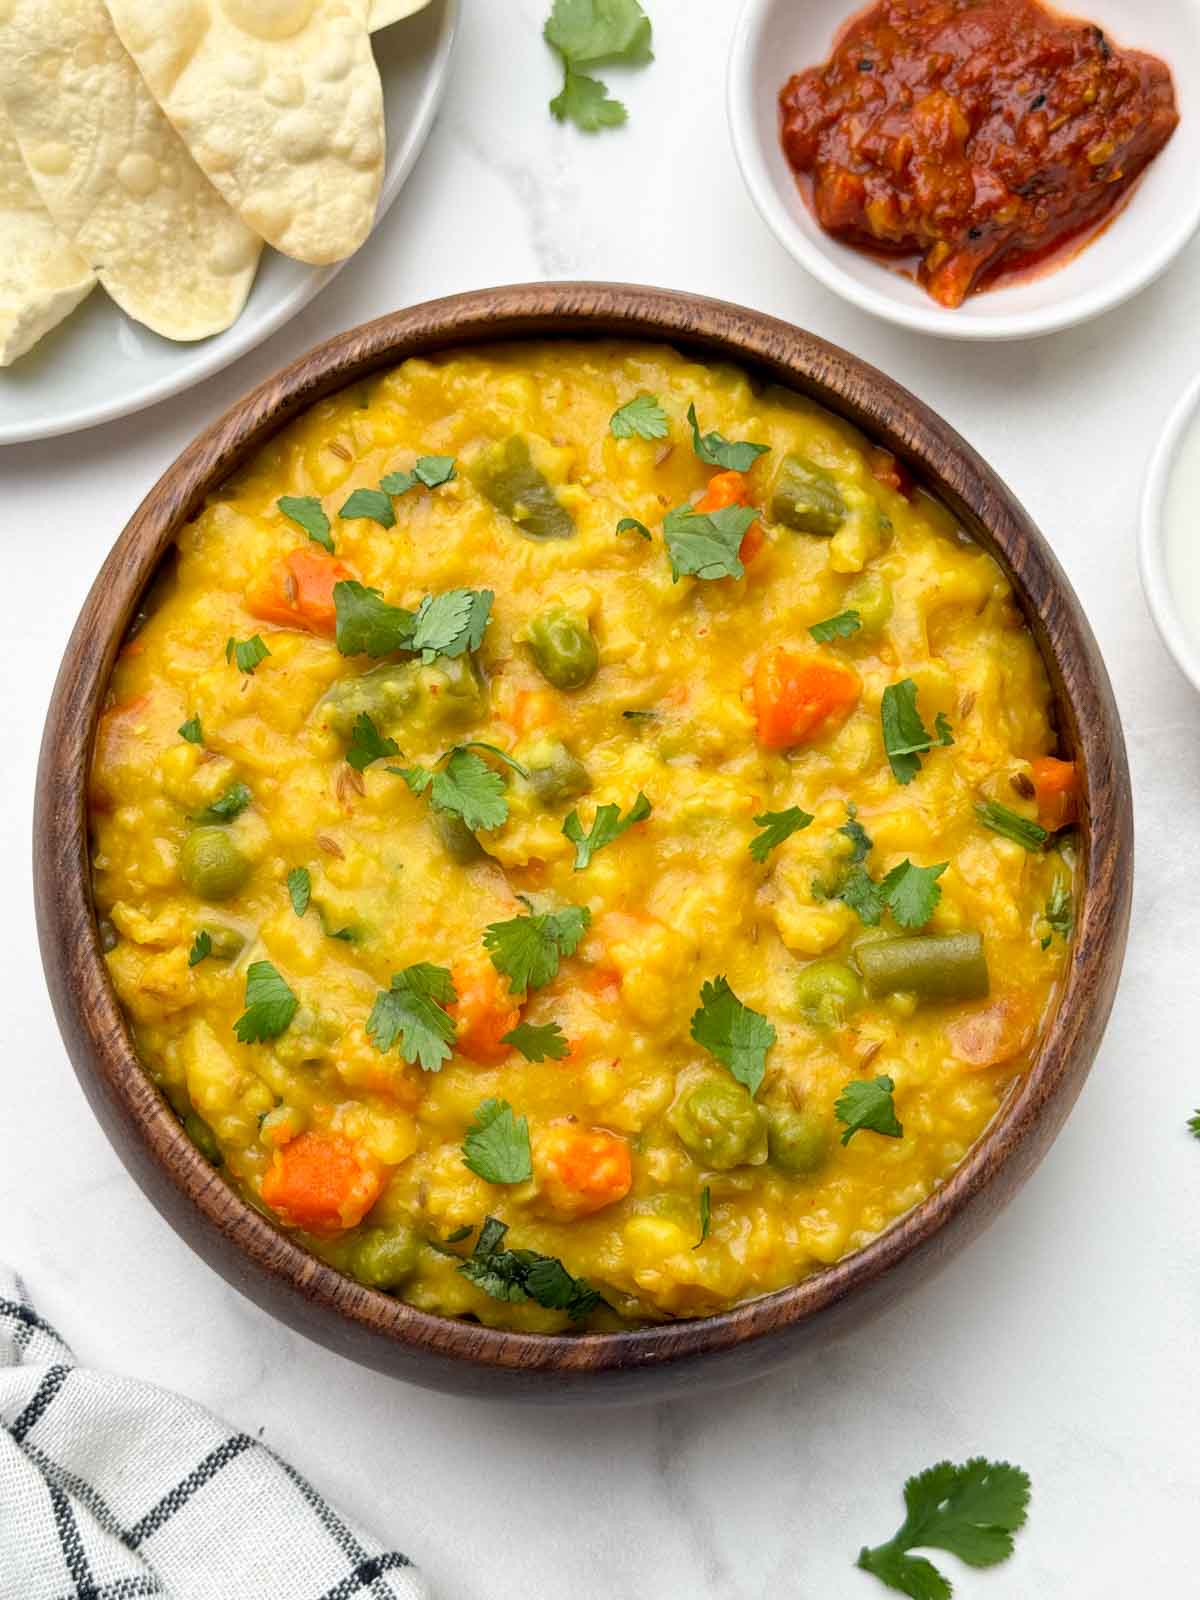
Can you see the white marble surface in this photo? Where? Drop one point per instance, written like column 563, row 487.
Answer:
column 1065, row 1340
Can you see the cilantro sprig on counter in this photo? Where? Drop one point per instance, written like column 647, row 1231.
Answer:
column 607, row 825
column 715, row 450
column 706, row 544
column 731, row 1031
column 539, row 1041
column 527, row 950
column 643, row 416
column 868, row 1104
column 270, row 1005
column 905, row 736
column 777, row 826
column 972, row 1511
column 412, row 1013
column 496, row 1147
column 307, row 512
column 516, row 1275
column 595, row 33
column 1194, row 1124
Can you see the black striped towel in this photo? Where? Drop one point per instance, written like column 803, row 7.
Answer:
column 112, row 1489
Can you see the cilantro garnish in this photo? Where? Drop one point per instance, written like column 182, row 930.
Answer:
column 857, row 835
column 367, row 744
column 539, row 1041
column 607, row 825
column 270, row 1005
column 516, row 1275
column 1029, row 835
column 717, row 451
column 307, row 512
column 366, row 624
column 642, row 415
column 428, row 470
column 593, row 33
column 868, row 1103
column 1059, row 914
column 527, row 950
column 909, row 892
column 1194, row 1124
column 466, row 786
column 192, row 731
column 496, row 1147
column 372, row 503
column 228, row 805
column 844, row 626
column 705, row 1215
column 737, row 1036
column 201, row 948
column 777, row 826
column 706, row 544
column 460, row 1234
column 494, row 750
column 299, row 887
column 413, row 1012
column 905, row 736
column 632, row 525
column 248, row 653
column 451, row 623
column 971, row 1510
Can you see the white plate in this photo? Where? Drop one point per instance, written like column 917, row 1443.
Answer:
column 1169, row 503
column 98, row 364
column 775, row 38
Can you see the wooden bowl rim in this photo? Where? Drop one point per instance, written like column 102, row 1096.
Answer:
column 93, row 1025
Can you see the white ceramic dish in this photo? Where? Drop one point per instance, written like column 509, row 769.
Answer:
column 99, row 365
column 1168, row 554
column 775, row 38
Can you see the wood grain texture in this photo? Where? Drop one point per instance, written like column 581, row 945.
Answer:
column 640, row 1363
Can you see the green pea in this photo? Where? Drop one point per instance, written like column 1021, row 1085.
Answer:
column 871, row 597
column 202, row 1136
column 719, row 1124
column 211, row 865
column 456, row 839
column 564, row 651
column 797, row 1141
column 827, row 992
column 385, row 1258
column 555, row 775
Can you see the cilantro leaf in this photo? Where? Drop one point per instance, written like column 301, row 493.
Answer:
column 307, row 512
column 777, row 826
column 971, row 1510
column 227, row 806
column 527, row 950
column 201, row 948
column 366, row 624
column 717, row 451
column 428, row 470
column 516, row 1275
column 299, row 886
column 632, row 525
column 496, row 1147
column 905, row 736
column 397, row 483
column 373, row 503
column 1059, row 914
column 607, row 825
column 413, row 1012
column 585, row 101
column 737, row 1036
column 857, row 835
column 705, row 1215
column 868, row 1103
column 861, row 893
column 643, row 415
column 367, row 744
column 248, row 653
column 270, row 1005
column 538, row 1041
column 844, row 626
column 706, row 544
column 590, row 33
column 451, row 623
column 192, row 731
column 1011, row 825
column 466, row 786
column 911, row 893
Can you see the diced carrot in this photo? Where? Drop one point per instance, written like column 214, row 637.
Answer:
column 297, row 591
column 322, row 1183
column 532, row 709
column 884, row 468
column 993, row 1034
column 483, row 1012
column 731, row 489
column 581, row 1170
column 1057, row 786
column 797, row 696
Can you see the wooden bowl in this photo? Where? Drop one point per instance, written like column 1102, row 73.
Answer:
column 461, row 1356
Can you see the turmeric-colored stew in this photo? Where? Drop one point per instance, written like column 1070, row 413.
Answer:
column 578, row 836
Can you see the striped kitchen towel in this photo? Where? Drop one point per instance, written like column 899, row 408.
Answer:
column 112, row 1489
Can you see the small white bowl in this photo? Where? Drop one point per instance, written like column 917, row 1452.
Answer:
column 775, row 38
column 1173, row 480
